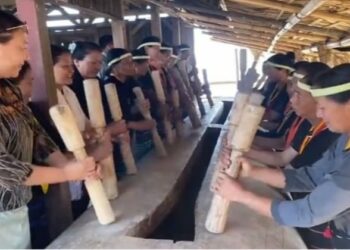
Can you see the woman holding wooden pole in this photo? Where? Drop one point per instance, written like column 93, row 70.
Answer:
column 19, row 132
column 144, row 140
column 121, row 72
column 185, row 100
column 327, row 180
column 87, row 59
column 173, row 94
column 188, row 75
column 152, row 45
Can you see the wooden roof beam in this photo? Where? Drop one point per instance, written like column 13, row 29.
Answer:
column 238, row 43
column 310, row 7
column 256, row 20
column 310, row 38
column 330, row 17
column 345, row 42
column 251, row 46
column 260, row 36
column 247, row 40
column 227, row 23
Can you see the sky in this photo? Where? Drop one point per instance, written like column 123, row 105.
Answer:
column 219, row 60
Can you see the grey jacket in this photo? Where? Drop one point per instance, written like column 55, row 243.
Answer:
column 328, row 180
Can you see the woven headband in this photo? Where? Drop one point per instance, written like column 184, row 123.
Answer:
column 331, row 90
column 118, row 59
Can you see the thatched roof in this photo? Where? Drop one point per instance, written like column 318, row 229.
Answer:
column 293, row 25
column 302, row 26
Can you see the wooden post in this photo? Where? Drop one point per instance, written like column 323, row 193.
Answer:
column 59, row 212
column 206, row 88
column 187, row 35
column 325, row 54
column 44, row 89
column 237, row 67
column 176, row 31
column 156, row 23
column 118, row 26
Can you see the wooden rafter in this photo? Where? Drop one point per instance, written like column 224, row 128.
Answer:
column 331, row 17
column 294, row 19
column 255, row 20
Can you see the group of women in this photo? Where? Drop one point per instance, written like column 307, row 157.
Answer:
column 304, row 141
column 29, row 143
column 307, row 159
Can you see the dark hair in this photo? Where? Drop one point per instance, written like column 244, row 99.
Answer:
column 25, row 68
column 283, row 59
column 82, row 49
column 8, row 21
column 313, row 70
column 57, row 51
column 105, row 40
column 301, row 65
column 333, row 77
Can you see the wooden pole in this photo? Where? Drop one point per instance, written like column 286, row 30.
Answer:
column 157, row 141
column 185, row 98
column 69, row 131
column 156, row 23
column 187, row 34
column 325, row 54
column 238, row 78
column 98, row 122
column 118, row 26
column 178, row 112
column 241, row 142
column 195, row 86
column 117, row 115
column 157, row 83
column 43, row 97
column 176, row 33
column 243, row 61
column 206, row 88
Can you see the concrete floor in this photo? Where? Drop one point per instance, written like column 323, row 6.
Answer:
column 146, row 198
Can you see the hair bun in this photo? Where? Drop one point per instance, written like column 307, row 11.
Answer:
column 291, row 55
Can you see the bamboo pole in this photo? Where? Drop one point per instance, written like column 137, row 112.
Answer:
column 157, row 83
column 117, row 115
column 241, row 142
column 157, row 141
column 185, row 98
column 98, row 122
column 67, row 127
column 196, row 92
